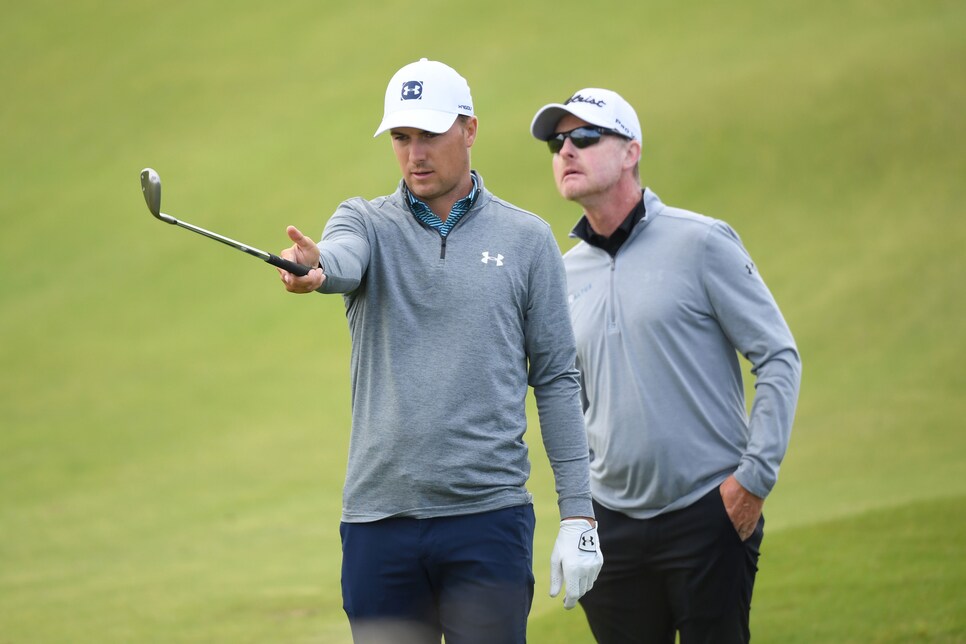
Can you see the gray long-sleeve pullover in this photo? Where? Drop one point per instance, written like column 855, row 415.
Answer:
column 657, row 329
column 447, row 334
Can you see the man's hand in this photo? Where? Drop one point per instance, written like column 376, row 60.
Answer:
column 743, row 507
column 305, row 252
column 576, row 560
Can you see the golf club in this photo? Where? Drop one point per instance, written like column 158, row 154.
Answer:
column 151, row 187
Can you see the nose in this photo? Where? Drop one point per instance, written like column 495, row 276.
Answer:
column 417, row 150
column 568, row 149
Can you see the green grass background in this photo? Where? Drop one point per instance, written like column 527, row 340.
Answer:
column 173, row 425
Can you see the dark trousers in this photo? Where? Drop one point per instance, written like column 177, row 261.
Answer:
column 469, row 577
column 686, row 571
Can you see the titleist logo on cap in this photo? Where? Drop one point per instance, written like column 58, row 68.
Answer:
column 577, row 98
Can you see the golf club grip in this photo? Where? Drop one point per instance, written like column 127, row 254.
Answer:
column 284, row 264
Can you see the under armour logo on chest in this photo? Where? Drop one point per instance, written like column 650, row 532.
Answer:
column 487, row 257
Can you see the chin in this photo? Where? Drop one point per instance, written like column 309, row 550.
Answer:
column 422, row 190
column 569, row 191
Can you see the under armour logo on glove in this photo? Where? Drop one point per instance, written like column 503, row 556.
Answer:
column 575, row 561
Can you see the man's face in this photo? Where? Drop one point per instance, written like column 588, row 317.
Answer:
column 584, row 173
column 435, row 166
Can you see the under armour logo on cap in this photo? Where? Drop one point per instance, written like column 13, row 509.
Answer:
column 412, row 90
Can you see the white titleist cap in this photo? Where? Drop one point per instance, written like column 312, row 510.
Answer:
column 600, row 107
column 426, row 95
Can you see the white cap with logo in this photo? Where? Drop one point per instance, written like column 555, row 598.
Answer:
column 426, row 95
column 600, row 107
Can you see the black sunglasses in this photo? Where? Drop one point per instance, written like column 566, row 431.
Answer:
column 582, row 137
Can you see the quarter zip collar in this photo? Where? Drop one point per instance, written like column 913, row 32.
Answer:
column 640, row 216
column 613, row 243
column 424, row 214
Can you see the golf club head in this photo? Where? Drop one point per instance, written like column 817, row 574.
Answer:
column 151, row 187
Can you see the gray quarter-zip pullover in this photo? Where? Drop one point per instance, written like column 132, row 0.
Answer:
column 657, row 329
column 447, row 334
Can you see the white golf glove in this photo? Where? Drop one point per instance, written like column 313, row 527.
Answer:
column 576, row 560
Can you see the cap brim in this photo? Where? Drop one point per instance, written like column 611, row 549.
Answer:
column 545, row 121
column 428, row 120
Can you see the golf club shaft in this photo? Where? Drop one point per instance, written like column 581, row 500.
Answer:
column 274, row 260
column 151, row 187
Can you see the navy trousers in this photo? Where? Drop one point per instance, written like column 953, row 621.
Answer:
column 412, row 581
column 685, row 571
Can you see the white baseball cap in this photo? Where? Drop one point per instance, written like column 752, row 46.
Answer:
column 600, row 107
column 426, row 95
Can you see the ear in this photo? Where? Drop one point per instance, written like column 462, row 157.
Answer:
column 632, row 154
column 469, row 131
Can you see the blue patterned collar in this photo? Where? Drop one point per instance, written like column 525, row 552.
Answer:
column 423, row 213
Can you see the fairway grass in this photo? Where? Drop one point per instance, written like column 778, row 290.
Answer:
column 261, row 575
column 174, row 426
column 891, row 576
